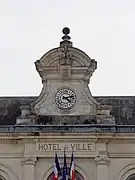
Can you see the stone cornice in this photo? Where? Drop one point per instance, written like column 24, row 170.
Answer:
column 122, row 155
column 97, row 136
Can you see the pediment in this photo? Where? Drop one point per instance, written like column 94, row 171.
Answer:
column 52, row 58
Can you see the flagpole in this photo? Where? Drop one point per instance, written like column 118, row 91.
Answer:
column 64, row 177
column 72, row 168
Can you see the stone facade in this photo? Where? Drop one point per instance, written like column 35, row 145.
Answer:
column 67, row 118
column 97, row 155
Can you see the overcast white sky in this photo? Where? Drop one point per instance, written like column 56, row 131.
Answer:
column 104, row 29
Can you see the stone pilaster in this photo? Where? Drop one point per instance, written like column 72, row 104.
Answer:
column 102, row 167
column 29, row 171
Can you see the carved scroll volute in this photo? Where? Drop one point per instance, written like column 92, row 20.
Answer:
column 92, row 67
column 39, row 68
column 103, row 159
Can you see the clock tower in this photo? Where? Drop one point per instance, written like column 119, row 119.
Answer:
column 66, row 98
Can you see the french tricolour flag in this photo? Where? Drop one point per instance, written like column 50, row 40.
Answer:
column 57, row 169
column 72, row 168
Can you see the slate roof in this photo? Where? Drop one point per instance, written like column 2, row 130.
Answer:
column 123, row 108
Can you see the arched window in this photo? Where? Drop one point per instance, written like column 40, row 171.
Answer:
column 78, row 176
column 2, row 178
column 131, row 177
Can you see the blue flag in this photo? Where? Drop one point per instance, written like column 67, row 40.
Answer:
column 57, row 164
column 64, row 168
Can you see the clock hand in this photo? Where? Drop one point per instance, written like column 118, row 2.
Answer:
column 72, row 96
column 66, row 98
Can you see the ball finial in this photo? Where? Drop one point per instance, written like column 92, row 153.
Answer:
column 66, row 30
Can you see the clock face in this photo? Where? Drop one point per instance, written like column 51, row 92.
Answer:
column 65, row 98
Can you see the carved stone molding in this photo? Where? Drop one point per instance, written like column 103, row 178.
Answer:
column 30, row 160
column 104, row 159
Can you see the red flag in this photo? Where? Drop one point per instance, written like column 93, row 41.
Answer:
column 72, row 168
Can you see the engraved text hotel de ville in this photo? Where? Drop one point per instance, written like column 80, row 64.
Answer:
column 65, row 146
